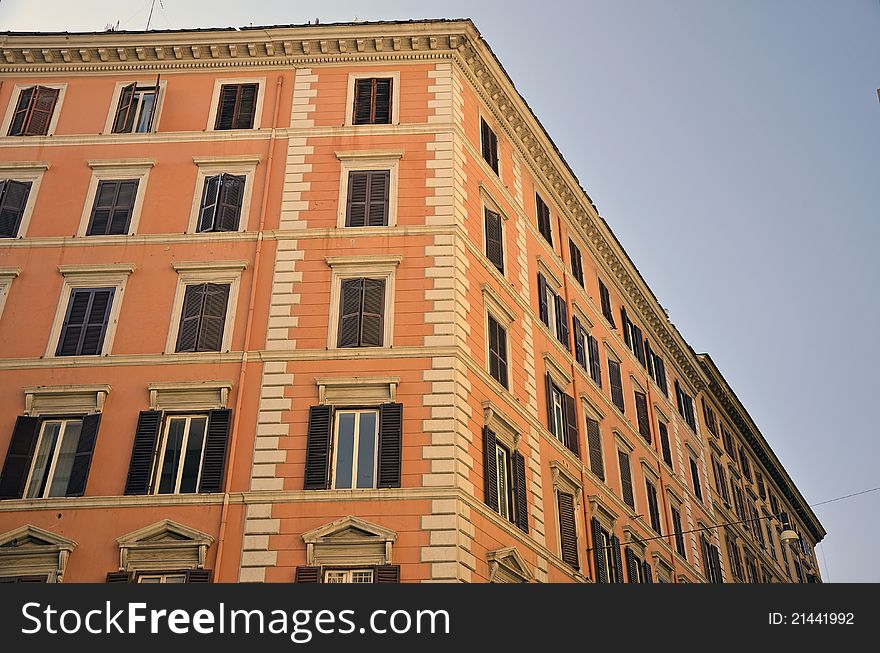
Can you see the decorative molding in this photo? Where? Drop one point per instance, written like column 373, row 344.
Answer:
column 508, row 566
column 163, row 545
column 369, row 154
column 229, row 159
column 17, row 166
column 357, row 390
column 208, row 266
column 60, row 399
column 189, row 395
column 95, row 269
column 349, row 541
column 30, row 550
column 96, row 164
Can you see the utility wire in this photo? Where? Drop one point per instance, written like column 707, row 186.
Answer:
column 847, row 496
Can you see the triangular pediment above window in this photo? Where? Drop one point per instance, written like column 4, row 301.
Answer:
column 163, row 545
column 29, row 550
column 349, row 528
column 31, row 536
column 349, row 541
column 508, row 566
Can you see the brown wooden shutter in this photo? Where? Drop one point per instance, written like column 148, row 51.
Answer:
column 567, row 529
column 562, row 321
column 125, row 111
column 246, row 105
column 213, row 317
column 351, row 292
column 489, row 145
column 317, row 472
column 520, row 491
column 616, row 384
column 390, row 454
column 382, row 94
column 22, row 109
column 577, row 263
column 626, row 486
column 595, row 361
column 490, row 469
column 625, row 326
column 646, row 572
column 216, row 443
column 544, row 226
column 606, row 303
column 210, row 201
column 198, row 576
column 387, row 574
column 664, row 444
column 82, row 460
column 695, row 477
column 229, row 204
column 572, row 433
column 497, row 351
column 85, row 323
column 113, row 206
column 120, row 577
column 379, row 194
column 550, row 421
column 543, row 311
column 13, row 199
column 642, row 415
column 356, row 201
column 155, row 104
column 632, row 565
column 494, row 246
column 362, row 112
column 653, row 507
column 618, row 563
column 372, row 317
column 307, row 575
column 594, row 444
column 40, row 110
column 638, row 344
column 580, row 353
column 599, row 552
column 190, row 317
column 146, row 439
column 19, row 456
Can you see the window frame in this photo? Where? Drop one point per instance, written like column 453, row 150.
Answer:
column 159, row 454
column 489, row 123
column 497, row 309
column 335, row 444
column 114, row 106
column 348, row 573
column 116, row 170
column 51, row 466
column 624, row 448
column 215, row 101
column 358, row 160
column 13, row 103
column 24, row 172
column 244, row 165
column 7, row 276
column 368, row 267
column 394, row 75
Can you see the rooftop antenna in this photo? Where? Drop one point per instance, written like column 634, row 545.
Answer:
column 150, row 17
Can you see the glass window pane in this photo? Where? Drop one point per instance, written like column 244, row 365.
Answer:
column 334, row 577
column 193, row 457
column 146, row 102
column 42, row 460
column 171, row 460
column 344, row 450
column 366, row 449
column 501, row 463
column 176, row 578
column 64, row 464
column 362, row 576
column 149, row 579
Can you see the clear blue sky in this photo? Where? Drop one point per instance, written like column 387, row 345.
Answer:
column 731, row 146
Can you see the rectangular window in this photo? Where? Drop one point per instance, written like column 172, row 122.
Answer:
column 603, row 544
column 544, row 225
column 53, row 458
column 203, row 318
column 685, row 406
column 580, row 342
column 553, row 311
column 136, row 109
column 594, row 442
column 85, row 322
column 642, row 415
column 361, row 313
column 616, row 384
column 567, row 529
column 557, row 416
column 497, row 351
column 181, row 454
column 665, row 449
column 162, row 578
column 237, row 106
column 744, row 463
column 711, row 561
column 494, row 240
column 727, row 438
column 502, row 469
column 489, row 144
column 114, row 204
column 354, row 452
column 577, row 263
column 34, row 110
column 605, row 300
column 372, row 101
column 632, row 336
column 762, row 490
column 368, row 198
column 695, row 479
column 735, row 560
column 504, row 476
column 626, row 485
column 13, row 199
column 220, row 209
column 348, row 576
column 653, row 507
column 678, row 532
column 562, row 416
column 720, row 480
column 709, row 416
column 595, row 361
column 656, row 368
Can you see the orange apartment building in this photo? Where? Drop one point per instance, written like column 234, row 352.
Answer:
column 325, row 304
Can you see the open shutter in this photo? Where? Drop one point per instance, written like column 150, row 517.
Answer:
column 40, row 111
column 356, row 207
column 213, row 317
column 494, row 247
column 153, row 107
column 390, row 445
column 229, row 206
column 580, row 354
column 146, row 438
column 120, row 577
column 642, row 415
column 22, row 110
column 664, row 443
column 198, row 576
column 216, row 443
column 577, row 264
column 372, row 317
column 96, row 324
column 551, row 423
column 125, row 112
column 307, row 575
column 317, row 472
column 13, row 198
column 383, row 89
column 210, row 201
column 191, row 317
column 616, row 384
column 646, row 572
column 377, row 207
column 605, row 299
column 247, row 105
column 82, row 460
column 594, row 443
column 387, row 574
column 632, row 565
column 562, row 321
column 351, row 292
column 542, row 300
column 363, row 101
column 571, row 425
column 18, row 457
column 490, row 469
column 598, row 552
column 567, row 529
column 626, row 486
column 595, row 361
column 520, row 492
column 618, row 563
column 226, row 106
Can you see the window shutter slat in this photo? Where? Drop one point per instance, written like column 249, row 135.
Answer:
column 19, row 456
column 216, row 443
column 119, row 577
column 562, row 321
column 390, row 454
column 356, row 209
column 377, row 210
column 372, row 316
column 146, row 438
column 626, row 486
column 13, row 199
column 230, row 200
column 363, row 96
column 490, row 469
column 520, row 491
column 594, row 442
column 210, row 202
column 494, row 246
column 572, row 432
column 382, row 101
column 567, row 529
column 213, row 317
column 198, row 576
column 642, row 415
column 542, row 300
column 618, row 563
column 307, row 575
column 387, row 574
column 317, row 472
column 599, row 552
column 664, row 443
column 351, row 291
column 124, row 120
column 595, row 361
column 82, row 460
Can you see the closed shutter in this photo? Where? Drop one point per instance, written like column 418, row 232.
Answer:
column 13, row 199
column 618, row 563
column 198, row 576
column 572, row 433
column 237, row 106
column 543, row 212
column 580, row 354
column 382, row 101
column 210, row 201
column 695, row 477
column 642, row 415
column 213, row 317
column 125, row 110
column 626, row 486
column 82, row 460
column 146, row 438
column 638, row 344
column 543, row 311
column 489, row 144
column 616, row 384
column 490, row 469
column 390, row 453
column 551, row 422
column 715, row 560
column 368, row 198
column 594, row 443
column 520, row 492
column 372, row 317
column 661, row 375
column 632, row 565
column 229, row 204
column 562, row 321
column 605, row 299
column 120, row 577
column 599, row 551
column 649, row 360
column 307, row 575
column 377, row 202
column 595, row 361
column 216, row 444
column 22, row 109
column 625, row 325
column 653, row 507
column 362, row 113
column 113, row 206
column 19, row 456
column 39, row 112
column 646, row 572
column 88, row 311
column 497, row 351
column 317, row 472
column 577, row 265
column 664, row 443
column 387, row 574
column 351, row 291
column 494, row 246
column 372, row 101
column 356, row 202
column 567, row 529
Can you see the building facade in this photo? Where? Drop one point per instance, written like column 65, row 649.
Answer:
column 325, row 304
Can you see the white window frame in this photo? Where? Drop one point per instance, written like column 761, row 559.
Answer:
column 25, row 171
column 245, row 165
column 347, row 575
column 502, row 460
column 160, row 452
column 13, row 102
column 114, row 105
column 163, row 577
column 90, row 276
column 395, row 96
column 368, row 160
column 354, row 454
column 215, row 100
column 7, row 276
column 138, row 169
column 53, row 460
column 368, row 267
column 191, row 273
column 505, row 317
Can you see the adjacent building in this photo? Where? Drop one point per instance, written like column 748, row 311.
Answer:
column 325, row 304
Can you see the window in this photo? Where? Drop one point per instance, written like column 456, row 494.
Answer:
column 567, row 529
column 136, row 110
column 220, row 208
column 367, row 200
column 494, row 239
column 709, row 416
column 553, row 310
column 616, row 384
column 361, row 313
column 735, row 559
column 53, row 459
column 34, row 111
column 354, row 451
column 577, row 263
column 762, row 490
column 203, row 317
column 642, row 418
column 638, row 570
column 181, row 455
column 695, row 479
column 632, row 336
column 727, row 438
column 752, row 570
column 744, row 463
column 497, row 351
column 665, row 449
column 85, row 323
column 113, row 207
column 13, row 200
column 237, row 106
column 656, row 368
column 721, row 480
column 774, row 505
column 162, row 578
column 489, row 144
column 626, row 485
column 653, row 507
column 685, row 406
column 711, row 560
column 586, row 350
column 557, row 413
column 372, row 101
column 562, row 416
column 348, row 576
column 504, row 475
column 543, row 212
column 677, row 532
column 605, row 300
column 502, row 461
column 594, row 443
column 606, row 554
